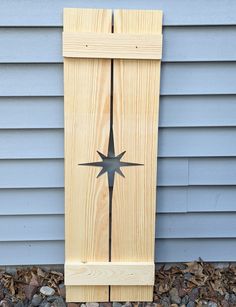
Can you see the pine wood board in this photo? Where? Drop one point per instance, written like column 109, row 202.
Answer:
column 135, row 110
column 112, row 45
column 87, row 114
column 110, row 273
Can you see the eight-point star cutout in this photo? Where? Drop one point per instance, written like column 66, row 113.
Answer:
column 111, row 163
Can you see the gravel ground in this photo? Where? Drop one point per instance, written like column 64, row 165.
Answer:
column 194, row 284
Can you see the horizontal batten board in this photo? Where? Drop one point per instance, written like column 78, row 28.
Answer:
column 168, row 226
column 178, row 142
column 31, row 201
column 167, row 250
column 175, row 111
column 49, row 173
column 44, row 13
column 181, row 44
column 32, row 227
column 176, row 79
column 31, row 112
column 197, row 111
column 109, row 273
column 112, row 45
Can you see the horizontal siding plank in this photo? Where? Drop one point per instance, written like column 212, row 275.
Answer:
column 197, row 111
column 32, row 252
column 198, row 78
column 178, row 142
column 180, row 44
column 212, row 198
column 176, row 79
column 35, row 228
column 217, row 171
column 31, row 112
column 169, row 200
column 18, row 144
column 169, row 226
column 31, row 173
column 167, row 250
column 197, row 142
column 196, row 199
column 186, row 250
column 196, row 225
column 182, row 12
column 31, row 201
column 175, row 111
column 49, row 173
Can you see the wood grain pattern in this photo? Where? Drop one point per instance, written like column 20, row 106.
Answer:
column 135, row 105
column 110, row 273
column 112, row 45
column 87, row 114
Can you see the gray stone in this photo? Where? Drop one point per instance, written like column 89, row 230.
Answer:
column 165, row 302
column 221, row 265
column 6, row 303
column 194, row 294
column 232, row 299
column 30, row 290
column 82, row 305
column 36, row 300
column 43, row 303
column 224, row 303
column 227, row 296
column 62, row 290
column 48, row 291
column 52, row 298
column 19, row 304
column 59, row 302
column 11, row 270
column 185, row 300
column 115, row 304
column 212, row 304
column 92, row 305
column 174, row 296
column 188, row 276
column 191, row 304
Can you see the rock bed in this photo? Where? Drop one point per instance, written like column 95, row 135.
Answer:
column 195, row 284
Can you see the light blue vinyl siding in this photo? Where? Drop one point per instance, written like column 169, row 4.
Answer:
column 196, row 178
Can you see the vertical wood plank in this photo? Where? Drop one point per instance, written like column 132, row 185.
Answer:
column 135, row 108
column 87, row 114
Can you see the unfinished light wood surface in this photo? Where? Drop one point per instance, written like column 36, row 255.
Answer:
column 87, row 114
column 135, row 107
column 112, row 45
column 110, row 273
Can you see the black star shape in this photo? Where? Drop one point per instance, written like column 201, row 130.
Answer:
column 111, row 163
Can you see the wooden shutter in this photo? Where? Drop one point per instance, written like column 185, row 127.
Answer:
column 111, row 83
